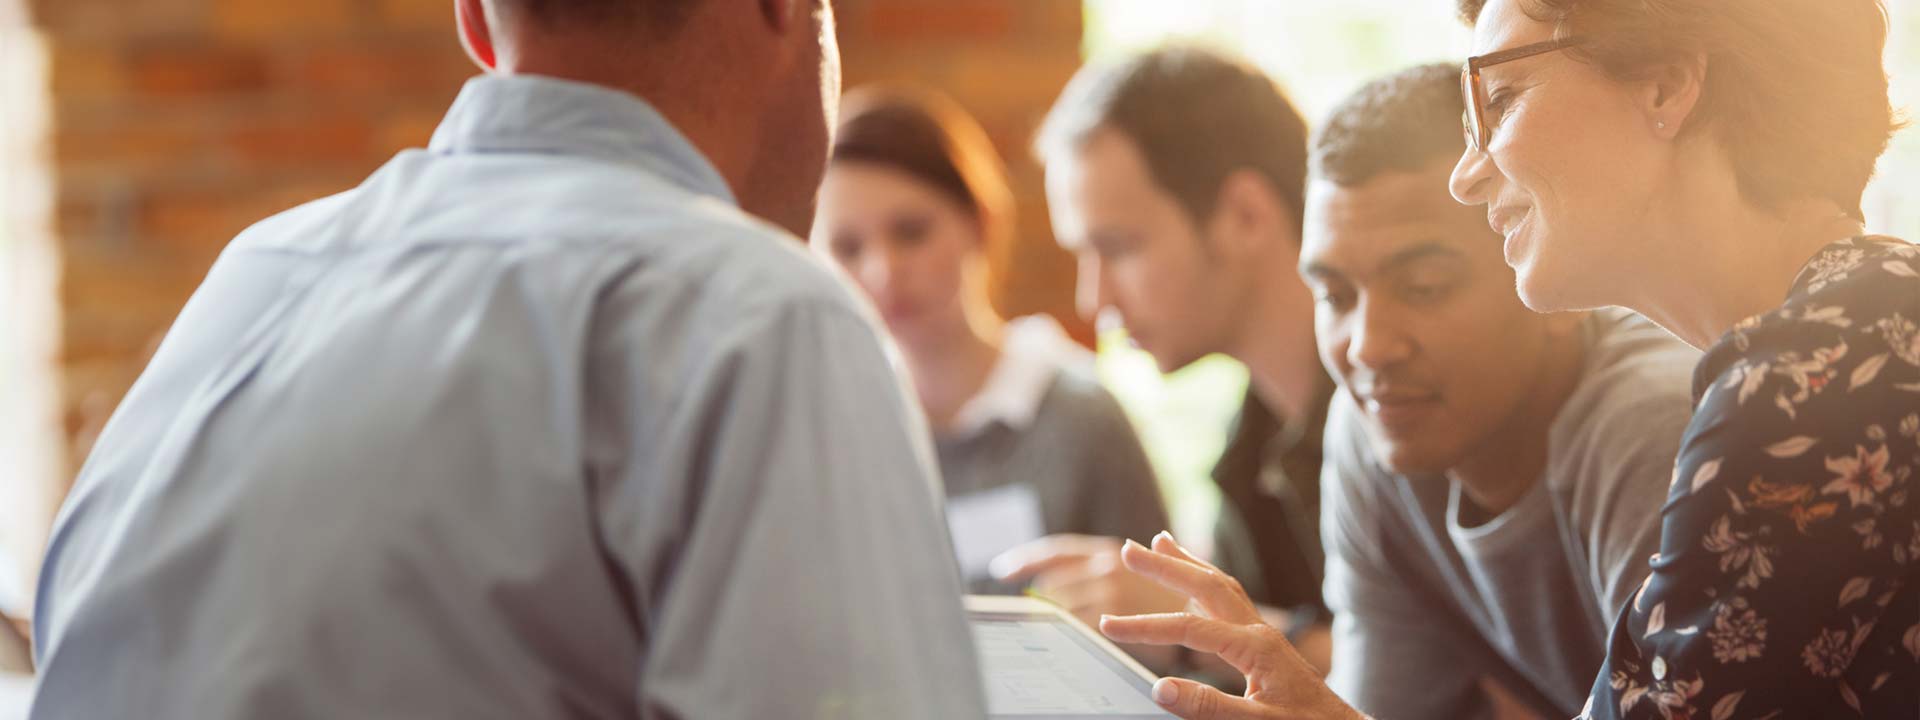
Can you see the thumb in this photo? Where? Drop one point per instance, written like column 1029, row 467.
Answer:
column 1195, row 701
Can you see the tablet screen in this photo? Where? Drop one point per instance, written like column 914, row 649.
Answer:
column 1038, row 666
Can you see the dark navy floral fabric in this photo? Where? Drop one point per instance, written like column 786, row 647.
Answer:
column 1785, row 586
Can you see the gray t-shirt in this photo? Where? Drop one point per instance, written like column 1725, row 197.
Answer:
column 1426, row 608
column 1080, row 455
column 1044, row 422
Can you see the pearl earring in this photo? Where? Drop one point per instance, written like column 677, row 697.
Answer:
column 1662, row 125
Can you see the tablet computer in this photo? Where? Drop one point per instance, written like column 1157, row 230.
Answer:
column 1039, row 663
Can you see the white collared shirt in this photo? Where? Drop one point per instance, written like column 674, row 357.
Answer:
column 535, row 423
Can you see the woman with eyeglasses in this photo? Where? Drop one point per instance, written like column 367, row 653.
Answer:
column 1701, row 162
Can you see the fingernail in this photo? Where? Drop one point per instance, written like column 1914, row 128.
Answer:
column 1165, row 692
column 1000, row 567
column 1134, row 543
column 1164, row 534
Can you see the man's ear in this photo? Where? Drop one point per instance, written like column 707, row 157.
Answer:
column 1248, row 214
column 476, row 33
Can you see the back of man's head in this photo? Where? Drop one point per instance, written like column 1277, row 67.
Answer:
column 753, row 86
column 1198, row 116
column 1404, row 122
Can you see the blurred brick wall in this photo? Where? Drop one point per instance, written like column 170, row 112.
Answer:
column 180, row 122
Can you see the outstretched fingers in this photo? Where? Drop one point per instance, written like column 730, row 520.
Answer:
column 1216, row 593
column 1239, row 645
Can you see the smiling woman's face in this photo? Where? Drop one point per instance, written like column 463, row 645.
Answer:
column 1572, row 173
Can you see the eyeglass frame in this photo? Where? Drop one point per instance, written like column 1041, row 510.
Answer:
column 1473, row 90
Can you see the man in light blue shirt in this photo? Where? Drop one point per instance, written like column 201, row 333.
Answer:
column 536, row 423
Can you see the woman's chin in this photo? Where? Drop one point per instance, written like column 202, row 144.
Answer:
column 1540, row 291
column 1549, row 288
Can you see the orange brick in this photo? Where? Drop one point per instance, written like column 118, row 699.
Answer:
column 138, row 148
column 1054, row 20
column 91, row 392
column 367, row 71
column 264, row 19
column 137, row 335
column 200, row 222
column 430, row 15
column 302, row 143
column 1024, row 75
column 110, row 335
column 180, row 122
column 939, row 21
column 175, row 71
column 86, row 71
column 91, row 213
column 78, row 219
column 118, row 19
column 189, row 220
column 118, row 300
column 265, row 202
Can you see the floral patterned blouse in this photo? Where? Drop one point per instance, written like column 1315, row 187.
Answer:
column 1788, row 579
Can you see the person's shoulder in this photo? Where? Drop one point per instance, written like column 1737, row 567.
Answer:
column 742, row 275
column 1037, row 347
column 752, row 262
column 1075, row 401
column 1632, row 365
column 711, row 257
column 1849, row 324
column 1863, row 285
column 289, row 229
column 682, row 236
column 1077, row 390
column 1855, row 299
column 1629, row 357
column 1634, row 399
column 1870, row 274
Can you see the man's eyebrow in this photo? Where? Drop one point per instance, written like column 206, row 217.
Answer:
column 1423, row 251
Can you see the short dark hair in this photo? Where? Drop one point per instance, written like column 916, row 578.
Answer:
column 1796, row 89
column 1197, row 115
column 661, row 16
column 1402, row 122
column 1470, row 10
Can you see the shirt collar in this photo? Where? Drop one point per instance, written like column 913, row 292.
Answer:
column 1034, row 349
column 543, row 115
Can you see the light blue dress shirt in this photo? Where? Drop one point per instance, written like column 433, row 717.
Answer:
column 535, row 423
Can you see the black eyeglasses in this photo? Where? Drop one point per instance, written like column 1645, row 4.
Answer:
column 1479, row 134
